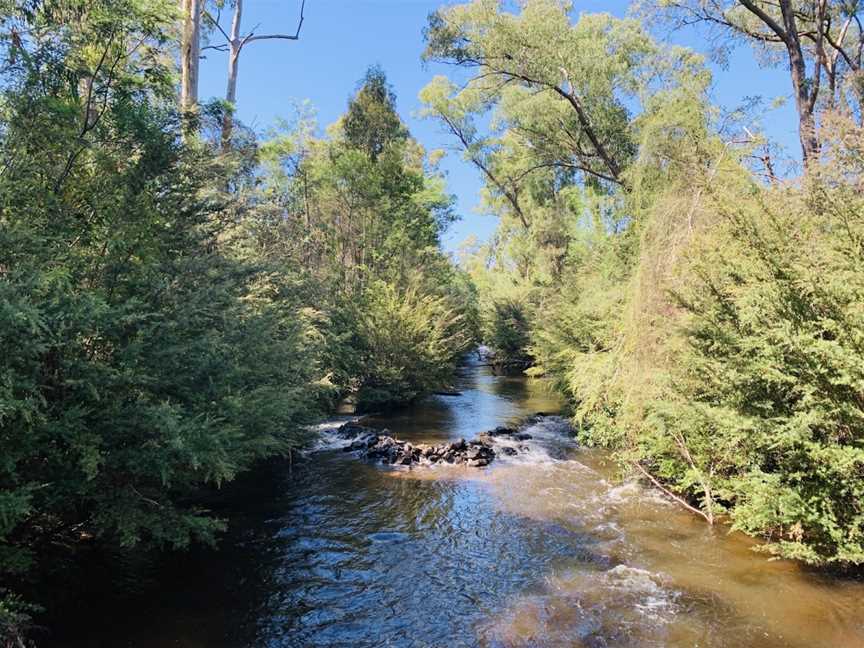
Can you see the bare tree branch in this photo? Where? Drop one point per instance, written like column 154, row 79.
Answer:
column 772, row 24
column 512, row 195
column 669, row 493
column 215, row 23
column 294, row 37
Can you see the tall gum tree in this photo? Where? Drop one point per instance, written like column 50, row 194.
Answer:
column 190, row 55
column 581, row 66
column 234, row 42
column 561, row 98
column 821, row 41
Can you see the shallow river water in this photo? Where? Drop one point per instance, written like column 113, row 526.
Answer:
column 542, row 549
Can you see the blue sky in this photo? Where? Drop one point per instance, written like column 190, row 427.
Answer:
column 341, row 38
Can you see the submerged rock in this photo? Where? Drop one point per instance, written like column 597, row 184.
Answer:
column 502, row 431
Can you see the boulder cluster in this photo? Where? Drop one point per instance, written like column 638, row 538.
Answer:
column 378, row 445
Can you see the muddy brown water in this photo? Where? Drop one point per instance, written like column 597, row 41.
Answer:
column 542, row 549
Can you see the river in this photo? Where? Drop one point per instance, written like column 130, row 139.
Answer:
column 543, row 549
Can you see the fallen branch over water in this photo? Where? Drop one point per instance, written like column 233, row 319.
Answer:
column 675, row 497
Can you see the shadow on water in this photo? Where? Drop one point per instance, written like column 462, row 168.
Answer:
column 543, row 549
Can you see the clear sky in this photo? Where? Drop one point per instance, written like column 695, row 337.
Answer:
column 341, row 38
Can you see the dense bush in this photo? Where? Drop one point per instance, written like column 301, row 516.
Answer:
column 361, row 212
column 767, row 418
column 702, row 312
column 507, row 332
column 145, row 357
column 407, row 344
column 727, row 364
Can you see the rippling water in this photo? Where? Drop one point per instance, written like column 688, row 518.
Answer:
column 542, row 549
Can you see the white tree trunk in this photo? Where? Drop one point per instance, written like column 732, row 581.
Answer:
column 234, row 47
column 190, row 55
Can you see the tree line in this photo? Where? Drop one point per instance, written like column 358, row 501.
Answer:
column 180, row 296
column 696, row 294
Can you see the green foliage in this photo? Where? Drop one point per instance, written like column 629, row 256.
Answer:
column 362, row 212
column 767, row 398
column 16, row 618
column 507, row 332
column 705, row 327
column 565, row 97
column 584, row 116
column 595, row 61
column 146, row 357
column 406, row 343
column 371, row 123
column 170, row 315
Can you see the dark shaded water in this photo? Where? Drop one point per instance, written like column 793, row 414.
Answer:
column 543, row 549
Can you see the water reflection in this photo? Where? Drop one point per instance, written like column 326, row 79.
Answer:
column 485, row 400
column 543, row 549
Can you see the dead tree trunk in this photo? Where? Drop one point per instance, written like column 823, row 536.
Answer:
column 806, row 90
column 235, row 44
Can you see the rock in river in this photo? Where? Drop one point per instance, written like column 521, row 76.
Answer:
column 379, row 445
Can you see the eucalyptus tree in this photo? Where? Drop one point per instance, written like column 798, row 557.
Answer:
column 821, row 42
column 234, row 42
column 571, row 74
column 190, row 55
column 554, row 108
column 564, row 96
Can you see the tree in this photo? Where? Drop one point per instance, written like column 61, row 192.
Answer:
column 235, row 41
column 190, row 56
column 371, row 123
column 763, row 416
column 568, row 105
column 147, row 357
column 579, row 72
column 161, row 335
column 819, row 39
column 454, row 111
column 362, row 211
column 806, row 89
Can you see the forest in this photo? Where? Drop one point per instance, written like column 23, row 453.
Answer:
column 182, row 295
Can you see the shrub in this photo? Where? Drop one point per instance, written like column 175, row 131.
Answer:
column 407, row 343
column 508, row 333
column 766, row 415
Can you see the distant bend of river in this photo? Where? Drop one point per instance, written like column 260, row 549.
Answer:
column 541, row 549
